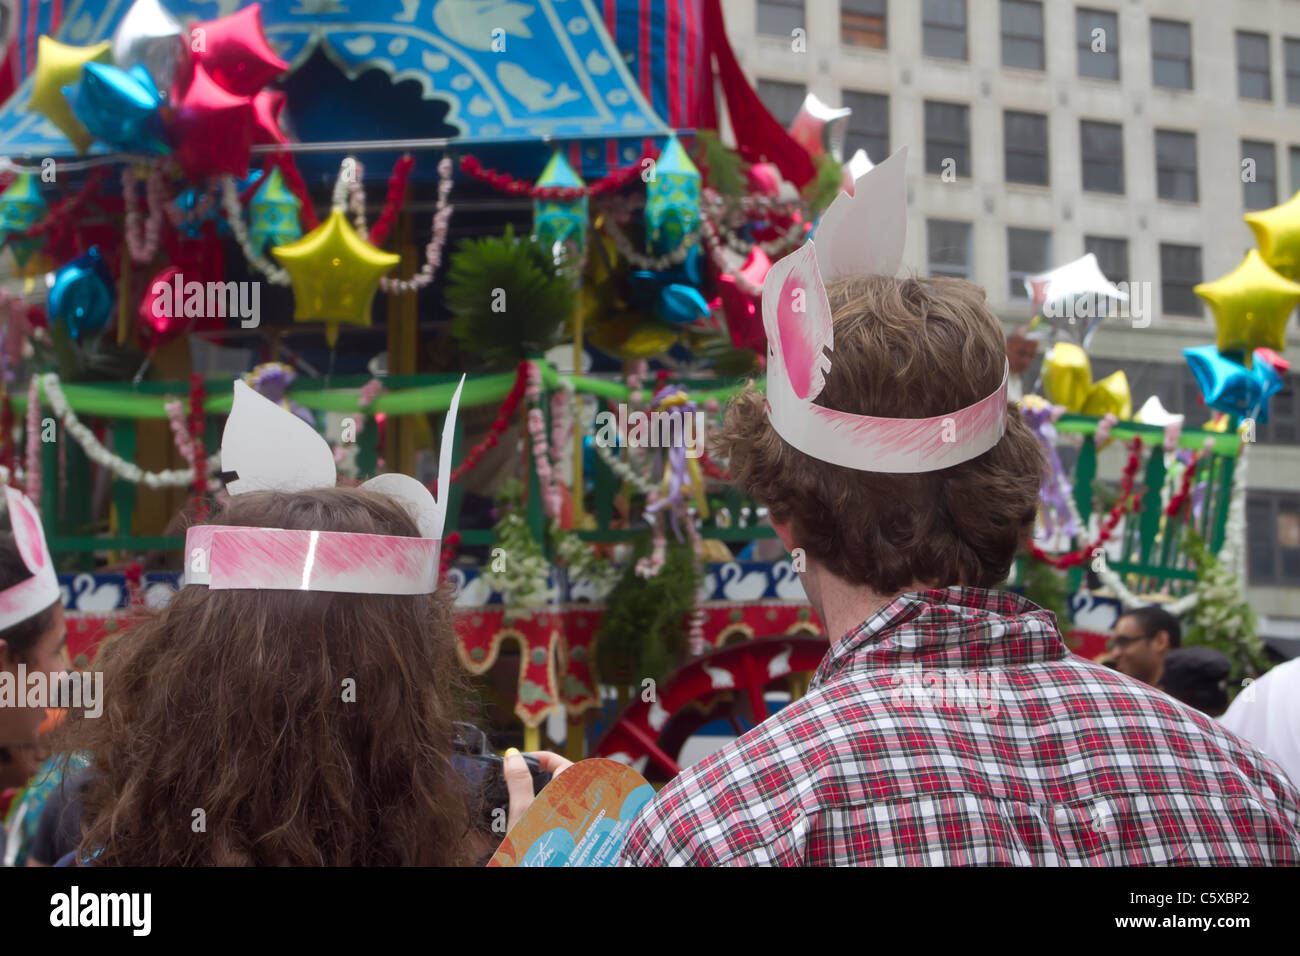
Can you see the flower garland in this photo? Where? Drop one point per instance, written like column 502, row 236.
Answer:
column 437, row 240
column 235, row 218
column 199, row 463
column 143, row 246
column 502, row 422
column 504, row 182
column 95, row 451
column 653, row 263
column 356, row 194
column 718, row 255
column 447, row 553
column 6, row 432
column 32, row 471
column 1122, row 504
column 393, row 201
column 552, row 492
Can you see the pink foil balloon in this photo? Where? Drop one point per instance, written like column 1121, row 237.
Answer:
column 234, row 51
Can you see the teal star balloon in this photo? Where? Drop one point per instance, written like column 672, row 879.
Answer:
column 273, row 214
column 672, row 199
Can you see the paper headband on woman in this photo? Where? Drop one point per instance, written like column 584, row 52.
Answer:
column 860, row 235
column 29, row 597
column 268, row 448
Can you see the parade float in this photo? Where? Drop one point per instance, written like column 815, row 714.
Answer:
column 348, row 211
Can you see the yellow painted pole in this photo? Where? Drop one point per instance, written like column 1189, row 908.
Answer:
column 574, row 741
column 532, row 739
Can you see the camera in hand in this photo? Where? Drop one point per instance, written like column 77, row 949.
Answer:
column 484, row 775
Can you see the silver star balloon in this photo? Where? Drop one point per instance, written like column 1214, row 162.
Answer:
column 151, row 36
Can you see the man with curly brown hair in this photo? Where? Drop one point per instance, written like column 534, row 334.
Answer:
column 948, row 723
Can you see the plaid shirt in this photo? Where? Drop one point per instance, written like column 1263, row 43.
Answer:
column 954, row 727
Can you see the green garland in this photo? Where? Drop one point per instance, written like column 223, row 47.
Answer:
column 1222, row 618
column 517, row 567
column 643, row 632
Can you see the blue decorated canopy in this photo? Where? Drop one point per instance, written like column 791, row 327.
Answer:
column 558, row 76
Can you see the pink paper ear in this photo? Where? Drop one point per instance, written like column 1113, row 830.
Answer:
column 798, row 318
column 29, row 536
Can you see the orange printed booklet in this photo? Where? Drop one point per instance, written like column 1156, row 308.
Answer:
column 581, row 818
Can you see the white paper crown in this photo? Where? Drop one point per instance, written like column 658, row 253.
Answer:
column 268, row 448
column 860, row 235
column 32, row 596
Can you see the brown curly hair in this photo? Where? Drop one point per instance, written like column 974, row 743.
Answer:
column 231, row 701
column 904, row 348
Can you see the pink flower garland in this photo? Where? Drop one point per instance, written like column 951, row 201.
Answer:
column 437, row 241
column 552, row 494
column 144, row 247
column 32, row 475
column 176, row 418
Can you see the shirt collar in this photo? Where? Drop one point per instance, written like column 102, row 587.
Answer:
column 948, row 627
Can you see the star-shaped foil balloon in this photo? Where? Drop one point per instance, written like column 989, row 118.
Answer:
column 267, row 107
column 119, row 107
column 1251, row 306
column 1277, row 231
column 212, row 129
column 59, row 65
column 335, row 274
column 234, row 51
column 1230, row 387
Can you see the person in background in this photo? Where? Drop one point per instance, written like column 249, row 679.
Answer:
column 1140, row 640
column 1197, row 676
column 1267, row 713
column 32, row 636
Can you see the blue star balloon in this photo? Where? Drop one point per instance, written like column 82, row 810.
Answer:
column 1230, row 387
column 119, row 107
column 681, row 305
column 81, row 295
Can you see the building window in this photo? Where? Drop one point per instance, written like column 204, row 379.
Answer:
column 868, row 127
column 779, row 17
column 1291, row 49
column 782, row 100
column 1102, row 147
column 862, row 23
column 1098, row 36
column 1253, row 79
column 947, row 137
column 1022, row 34
column 1273, row 533
column 1180, row 270
column 943, row 29
column 1025, row 139
column 949, row 248
column 1029, row 252
column 1262, row 193
column 1112, row 256
column 1171, row 54
column 1176, row 165
column 1283, row 426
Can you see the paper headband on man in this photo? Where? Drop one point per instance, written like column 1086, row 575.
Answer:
column 861, row 235
column 33, row 595
column 268, row 448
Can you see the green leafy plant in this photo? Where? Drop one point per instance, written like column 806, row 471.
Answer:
column 722, row 166
column 1047, row 588
column 1222, row 618
column 822, row 189
column 643, row 631
column 98, row 359
column 507, row 298
column 518, row 568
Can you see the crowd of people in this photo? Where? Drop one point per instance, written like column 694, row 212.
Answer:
column 245, row 724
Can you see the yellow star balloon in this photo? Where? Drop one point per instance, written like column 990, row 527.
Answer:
column 59, row 65
column 1251, row 306
column 335, row 274
column 1067, row 380
column 1277, row 230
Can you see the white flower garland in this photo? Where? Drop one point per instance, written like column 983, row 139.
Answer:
column 96, row 452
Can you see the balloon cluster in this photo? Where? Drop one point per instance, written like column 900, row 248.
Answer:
column 1252, row 304
column 156, row 89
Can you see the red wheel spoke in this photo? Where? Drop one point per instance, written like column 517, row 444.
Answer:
column 652, row 749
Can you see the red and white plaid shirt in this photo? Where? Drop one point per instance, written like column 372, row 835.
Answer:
column 954, row 727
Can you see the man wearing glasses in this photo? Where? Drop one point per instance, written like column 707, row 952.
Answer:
column 1140, row 640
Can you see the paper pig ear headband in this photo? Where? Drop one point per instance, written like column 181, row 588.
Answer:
column 268, row 448
column 859, row 236
column 32, row 596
